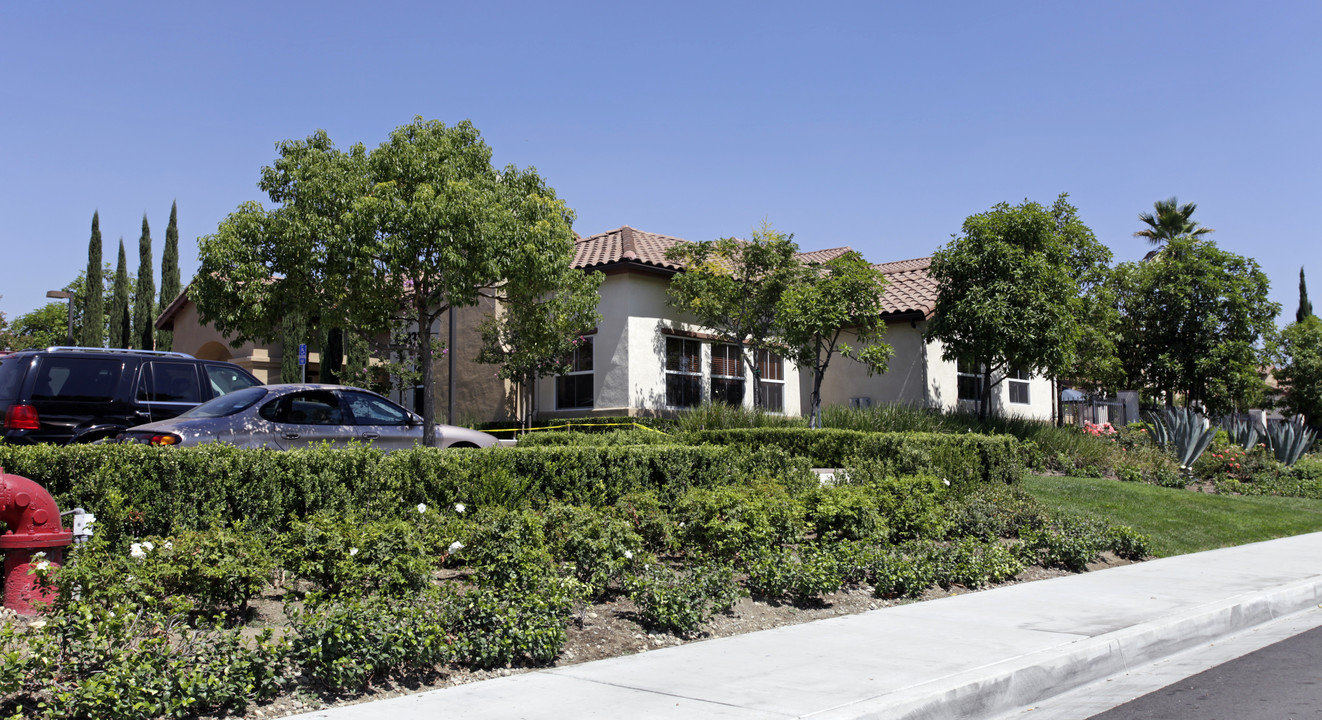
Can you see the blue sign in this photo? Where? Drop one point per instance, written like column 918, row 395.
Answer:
column 303, row 354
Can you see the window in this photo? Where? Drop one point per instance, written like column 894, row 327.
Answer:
column 727, row 375
column 313, row 407
column 574, row 388
column 1018, row 382
column 373, row 410
column 771, row 368
column 169, row 382
column 970, row 381
column 227, row 379
column 683, row 372
column 78, row 379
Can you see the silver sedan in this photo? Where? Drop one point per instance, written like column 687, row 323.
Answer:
column 290, row 416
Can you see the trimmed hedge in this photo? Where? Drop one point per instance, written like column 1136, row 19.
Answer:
column 137, row 490
column 963, row 459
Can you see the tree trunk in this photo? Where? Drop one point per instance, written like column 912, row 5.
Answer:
column 984, row 403
column 428, row 375
column 816, row 401
column 757, row 376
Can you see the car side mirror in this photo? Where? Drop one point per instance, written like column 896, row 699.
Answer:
column 414, row 419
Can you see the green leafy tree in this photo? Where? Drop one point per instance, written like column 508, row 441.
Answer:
column 537, row 331
column 121, row 318
column 1305, row 307
column 144, row 294
column 1010, row 290
column 1193, row 322
column 733, row 288
column 1170, row 220
column 1297, row 353
column 383, row 241
column 294, row 332
column 838, row 299
column 170, row 280
column 91, row 295
column 46, row 326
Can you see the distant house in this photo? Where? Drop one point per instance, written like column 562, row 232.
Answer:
column 645, row 358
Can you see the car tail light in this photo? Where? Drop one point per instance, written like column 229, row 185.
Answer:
column 164, row 439
column 22, row 417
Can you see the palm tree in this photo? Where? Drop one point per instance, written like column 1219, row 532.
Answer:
column 1169, row 221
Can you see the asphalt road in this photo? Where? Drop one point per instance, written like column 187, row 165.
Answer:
column 1282, row 681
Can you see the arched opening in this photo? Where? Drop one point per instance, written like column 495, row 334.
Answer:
column 213, row 351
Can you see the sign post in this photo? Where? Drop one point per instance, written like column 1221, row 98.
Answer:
column 303, row 362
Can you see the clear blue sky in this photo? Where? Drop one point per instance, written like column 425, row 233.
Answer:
column 866, row 124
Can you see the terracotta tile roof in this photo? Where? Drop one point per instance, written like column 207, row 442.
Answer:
column 624, row 244
column 908, row 288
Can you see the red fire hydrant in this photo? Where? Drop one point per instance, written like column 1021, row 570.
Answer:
column 32, row 526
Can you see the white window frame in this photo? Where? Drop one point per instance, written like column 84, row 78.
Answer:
column 694, row 372
column 727, row 350
column 768, row 359
column 1017, row 380
column 962, row 370
column 575, row 361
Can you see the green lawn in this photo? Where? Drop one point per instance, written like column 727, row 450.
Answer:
column 1180, row 521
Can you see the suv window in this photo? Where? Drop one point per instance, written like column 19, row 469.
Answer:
column 11, row 378
column 225, row 380
column 169, row 382
column 77, row 379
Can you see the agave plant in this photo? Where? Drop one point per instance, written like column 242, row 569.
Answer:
column 1243, row 433
column 1289, row 439
column 1183, row 431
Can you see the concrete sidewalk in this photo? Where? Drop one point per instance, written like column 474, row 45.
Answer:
column 969, row 656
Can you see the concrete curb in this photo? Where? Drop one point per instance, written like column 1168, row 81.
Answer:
column 1031, row 678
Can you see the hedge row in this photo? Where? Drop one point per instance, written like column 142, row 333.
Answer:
column 141, row 490
column 960, row 458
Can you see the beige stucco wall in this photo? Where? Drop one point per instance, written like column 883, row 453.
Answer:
column 903, row 381
column 629, row 353
column 203, row 341
column 943, row 388
column 480, row 396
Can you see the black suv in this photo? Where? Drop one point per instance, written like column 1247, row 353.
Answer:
column 74, row 394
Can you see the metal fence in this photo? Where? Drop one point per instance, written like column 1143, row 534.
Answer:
column 1095, row 410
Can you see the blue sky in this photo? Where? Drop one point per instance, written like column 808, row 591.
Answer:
column 876, row 125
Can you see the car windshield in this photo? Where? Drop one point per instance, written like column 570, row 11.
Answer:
column 227, row 404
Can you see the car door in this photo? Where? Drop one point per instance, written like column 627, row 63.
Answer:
column 307, row 418
column 166, row 389
column 380, row 422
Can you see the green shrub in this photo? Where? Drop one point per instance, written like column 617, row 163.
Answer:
column 612, row 438
column 647, row 516
column 125, row 662
column 507, row 626
column 348, row 643
column 507, row 549
column 203, row 572
column 1067, row 541
column 801, row 574
column 909, row 507
column 992, row 511
column 974, row 563
column 346, row 554
column 727, row 520
column 903, row 571
column 719, row 416
column 681, row 601
column 598, row 547
column 1128, row 543
column 846, row 512
column 964, row 459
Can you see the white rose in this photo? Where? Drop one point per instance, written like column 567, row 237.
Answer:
column 146, row 545
column 455, row 547
column 422, row 507
column 353, row 551
column 136, row 551
column 628, row 554
column 458, row 507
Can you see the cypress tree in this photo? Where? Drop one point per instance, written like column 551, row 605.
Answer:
column 1305, row 307
column 120, row 319
column 93, row 298
column 144, row 295
column 169, row 275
